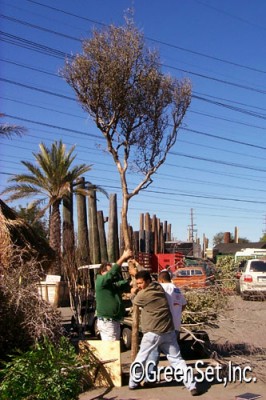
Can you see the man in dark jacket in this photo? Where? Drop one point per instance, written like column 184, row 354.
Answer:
column 109, row 287
column 158, row 332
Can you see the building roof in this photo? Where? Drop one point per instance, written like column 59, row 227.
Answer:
column 232, row 248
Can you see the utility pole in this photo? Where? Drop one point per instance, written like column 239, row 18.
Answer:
column 191, row 227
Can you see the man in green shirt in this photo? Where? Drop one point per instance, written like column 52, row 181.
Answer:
column 109, row 287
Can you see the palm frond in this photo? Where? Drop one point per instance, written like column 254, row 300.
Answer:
column 10, row 130
column 20, row 191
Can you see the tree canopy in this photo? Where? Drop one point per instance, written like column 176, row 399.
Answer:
column 137, row 108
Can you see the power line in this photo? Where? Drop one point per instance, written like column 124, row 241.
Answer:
column 172, row 177
column 41, row 28
column 154, row 40
column 171, row 152
column 233, row 108
column 164, row 192
column 181, row 128
column 223, row 138
column 217, row 161
column 55, row 127
column 196, row 94
column 212, row 78
column 37, row 89
column 29, row 44
column 67, row 13
column 227, row 120
column 243, row 111
column 229, row 14
column 29, row 67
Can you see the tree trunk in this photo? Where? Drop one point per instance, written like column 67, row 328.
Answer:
column 124, row 221
column 68, row 260
column 55, row 235
column 68, row 225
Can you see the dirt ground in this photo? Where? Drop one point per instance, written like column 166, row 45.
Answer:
column 242, row 321
column 238, row 337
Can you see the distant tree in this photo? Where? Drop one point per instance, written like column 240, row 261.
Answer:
column 137, row 108
column 9, row 130
column 32, row 215
column 263, row 238
column 219, row 238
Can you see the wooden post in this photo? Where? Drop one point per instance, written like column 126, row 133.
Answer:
column 165, row 231
column 102, row 237
column 160, row 235
column 155, row 233
column 141, row 234
column 113, row 242
column 135, row 242
column 169, row 233
column 147, row 232
column 93, row 229
column 135, row 332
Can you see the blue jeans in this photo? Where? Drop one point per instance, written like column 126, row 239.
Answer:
column 167, row 344
column 153, row 360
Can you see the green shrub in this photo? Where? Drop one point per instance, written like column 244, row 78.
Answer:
column 37, row 374
column 226, row 269
column 203, row 305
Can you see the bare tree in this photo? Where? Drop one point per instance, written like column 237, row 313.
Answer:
column 138, row 109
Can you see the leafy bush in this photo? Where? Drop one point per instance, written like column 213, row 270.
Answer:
column 45, row 372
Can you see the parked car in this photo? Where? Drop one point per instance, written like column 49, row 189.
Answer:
column 190, row 277
column 207, row 265
column 252, row 281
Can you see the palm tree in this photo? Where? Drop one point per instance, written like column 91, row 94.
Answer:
column 52, row 178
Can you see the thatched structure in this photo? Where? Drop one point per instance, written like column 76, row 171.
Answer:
column 14, row 231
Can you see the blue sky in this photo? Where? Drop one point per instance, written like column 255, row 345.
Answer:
column 217, row 166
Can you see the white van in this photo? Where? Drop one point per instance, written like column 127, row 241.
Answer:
column 249, row 253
